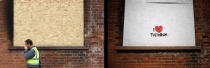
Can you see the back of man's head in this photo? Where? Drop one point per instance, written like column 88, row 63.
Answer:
column 29, row 42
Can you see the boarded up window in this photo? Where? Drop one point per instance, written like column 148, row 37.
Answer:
column 159, row 23
column 49, row 22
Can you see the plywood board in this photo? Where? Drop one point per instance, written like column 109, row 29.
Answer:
column 49, row 22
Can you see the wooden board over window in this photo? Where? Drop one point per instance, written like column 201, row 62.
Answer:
column 159, row 23
column 49, row 22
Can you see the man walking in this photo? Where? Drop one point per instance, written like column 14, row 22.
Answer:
column 31, row 54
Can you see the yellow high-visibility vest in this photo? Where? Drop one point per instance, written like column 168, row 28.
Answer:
column 35, row 59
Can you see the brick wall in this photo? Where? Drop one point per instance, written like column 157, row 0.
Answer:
column 94, row 40
column 155, row 58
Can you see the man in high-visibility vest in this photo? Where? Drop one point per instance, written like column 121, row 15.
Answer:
column 31, row 54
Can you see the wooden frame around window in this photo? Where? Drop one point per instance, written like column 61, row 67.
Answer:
column 10, row 31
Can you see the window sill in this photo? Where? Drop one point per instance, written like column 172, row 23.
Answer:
column 158, row 48
column 51, row 48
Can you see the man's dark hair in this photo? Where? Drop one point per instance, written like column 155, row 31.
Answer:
column 29, row 41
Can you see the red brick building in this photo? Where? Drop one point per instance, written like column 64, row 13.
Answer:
column 157, row 57
column 91, row 56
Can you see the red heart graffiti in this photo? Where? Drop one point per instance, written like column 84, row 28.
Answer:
column 159, row 28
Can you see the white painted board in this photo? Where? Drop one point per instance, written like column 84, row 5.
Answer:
column 146, row 20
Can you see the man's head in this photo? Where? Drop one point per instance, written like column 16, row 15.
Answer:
column 28, row 43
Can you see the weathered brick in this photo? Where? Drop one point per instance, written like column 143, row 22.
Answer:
column 165, row 59
column 94, row 32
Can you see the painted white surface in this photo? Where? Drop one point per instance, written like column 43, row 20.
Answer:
column 176, row 17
